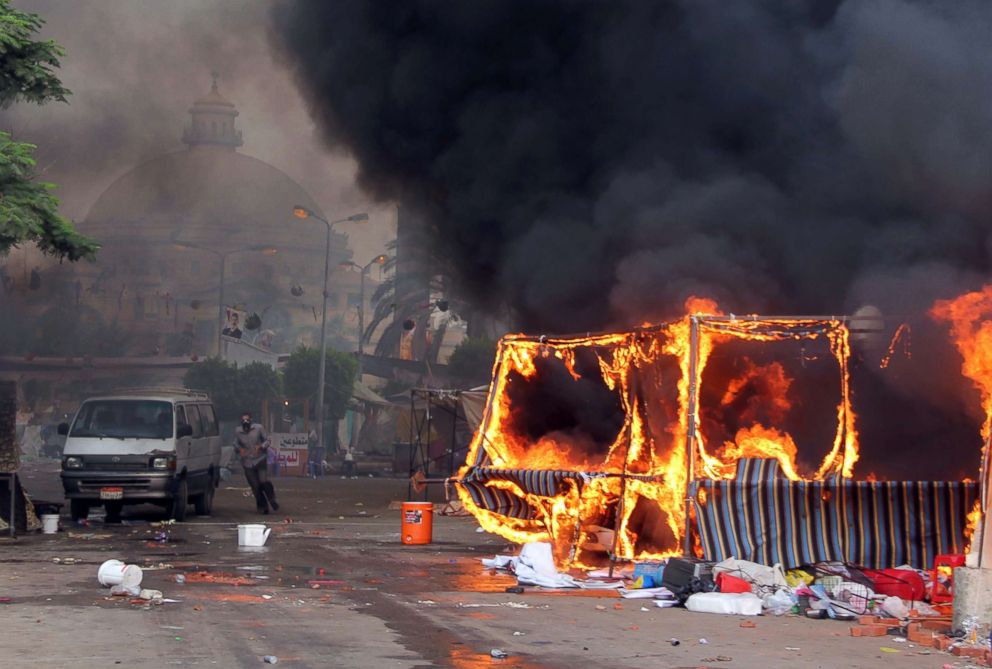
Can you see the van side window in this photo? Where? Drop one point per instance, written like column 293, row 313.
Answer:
column 180, row 416
column 209, row 420
column 194, row 420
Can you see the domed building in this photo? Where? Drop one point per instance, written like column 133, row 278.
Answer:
column 189, row 226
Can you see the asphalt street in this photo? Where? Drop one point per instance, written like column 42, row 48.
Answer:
column 335, row 587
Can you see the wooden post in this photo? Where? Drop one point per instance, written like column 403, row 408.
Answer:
column 690, row 429
column 985, row 491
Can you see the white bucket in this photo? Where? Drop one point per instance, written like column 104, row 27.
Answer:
column 252, row 535
column 115, row 572
column 49, row 523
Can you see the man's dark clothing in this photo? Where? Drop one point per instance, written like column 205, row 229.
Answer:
column 252, row 447
column 261, row 487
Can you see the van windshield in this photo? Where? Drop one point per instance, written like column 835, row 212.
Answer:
column 124, row 419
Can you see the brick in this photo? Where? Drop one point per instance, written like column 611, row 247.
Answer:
column 921, row 637
column 942, row 642
column 935, row 625
column 869, row 630
column 969, row 651
column 867, row 620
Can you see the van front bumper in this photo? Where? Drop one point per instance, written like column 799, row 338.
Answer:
column 137, row 485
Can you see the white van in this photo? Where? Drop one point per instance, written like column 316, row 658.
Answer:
column 159, row 446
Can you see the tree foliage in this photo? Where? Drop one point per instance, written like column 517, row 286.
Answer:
column 27, row 67
column 234, row 390
column 472, row 360
column 302, row 371
column 28, row 210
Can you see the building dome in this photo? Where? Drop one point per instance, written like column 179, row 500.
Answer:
column 192, row 231
column 207, row 194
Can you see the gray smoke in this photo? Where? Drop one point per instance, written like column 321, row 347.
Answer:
column 136, row 66
column 594, row 163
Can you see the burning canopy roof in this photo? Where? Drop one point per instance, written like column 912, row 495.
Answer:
column 608, row 430
column 621, row 446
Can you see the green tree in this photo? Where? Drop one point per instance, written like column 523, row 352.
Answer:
column 234, row 390
column 301, row 373
column 472, row 360
column 28, row 210
column 256, row 383
column 219, row 380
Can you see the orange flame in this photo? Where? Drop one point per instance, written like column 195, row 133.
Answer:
column 970, row 318
column 974, row 516
column 627, row 364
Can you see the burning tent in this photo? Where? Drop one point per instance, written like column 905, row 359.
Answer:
column 627, row 437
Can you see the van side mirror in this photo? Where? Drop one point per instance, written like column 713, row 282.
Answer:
column 185, row 430
column 63, row 429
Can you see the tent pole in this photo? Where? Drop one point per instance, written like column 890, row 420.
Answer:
column 690, row 429
column 413, row 420
column 426, row 458
column 621, row 506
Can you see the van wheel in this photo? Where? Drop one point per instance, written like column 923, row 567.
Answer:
column 180, row 501
column 204, row 504
column 79, row 509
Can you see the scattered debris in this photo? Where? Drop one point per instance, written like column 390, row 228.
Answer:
column 499, row 654
column 270, row 659
column 219, row 578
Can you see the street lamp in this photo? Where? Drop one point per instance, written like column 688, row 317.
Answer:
column 363, row 270
column 268, row 250
column 378, row 260
column 301, row 212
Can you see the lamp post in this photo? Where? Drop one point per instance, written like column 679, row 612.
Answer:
column 223, row 267
column 363, row 270
column 378, row 260
column 302, row 212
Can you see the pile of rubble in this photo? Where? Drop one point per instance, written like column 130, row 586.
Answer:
column 911, row 605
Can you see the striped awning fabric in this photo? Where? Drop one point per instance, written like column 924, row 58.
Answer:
column 762, row 516
column 540, row 482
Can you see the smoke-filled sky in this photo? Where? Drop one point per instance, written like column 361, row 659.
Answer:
column 136, row 66
column 596, row 162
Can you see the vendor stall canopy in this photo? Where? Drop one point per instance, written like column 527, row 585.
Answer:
column 592, row 442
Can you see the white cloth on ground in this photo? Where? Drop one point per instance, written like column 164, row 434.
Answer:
column 536, row 566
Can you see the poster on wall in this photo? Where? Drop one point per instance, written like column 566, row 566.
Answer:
column 234, row 323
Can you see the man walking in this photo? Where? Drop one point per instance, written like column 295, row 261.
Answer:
column 315, row 455
column 252, row 444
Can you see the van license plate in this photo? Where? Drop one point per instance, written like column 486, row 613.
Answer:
column 111, row 493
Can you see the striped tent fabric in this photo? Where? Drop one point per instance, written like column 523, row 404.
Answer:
column 540, row 482
column 546, row 483
column 762, row 516
column 906, row 522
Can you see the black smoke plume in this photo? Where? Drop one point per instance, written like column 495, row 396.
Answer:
column 594, row 163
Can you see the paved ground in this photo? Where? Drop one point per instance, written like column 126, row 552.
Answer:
column 381, row 604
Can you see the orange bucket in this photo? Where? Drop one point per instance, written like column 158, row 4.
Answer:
column 418, row 522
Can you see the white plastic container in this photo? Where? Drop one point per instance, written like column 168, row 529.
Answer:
column 728, row 603
column 49, row 523
column 115, row 572
column 252, row 535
